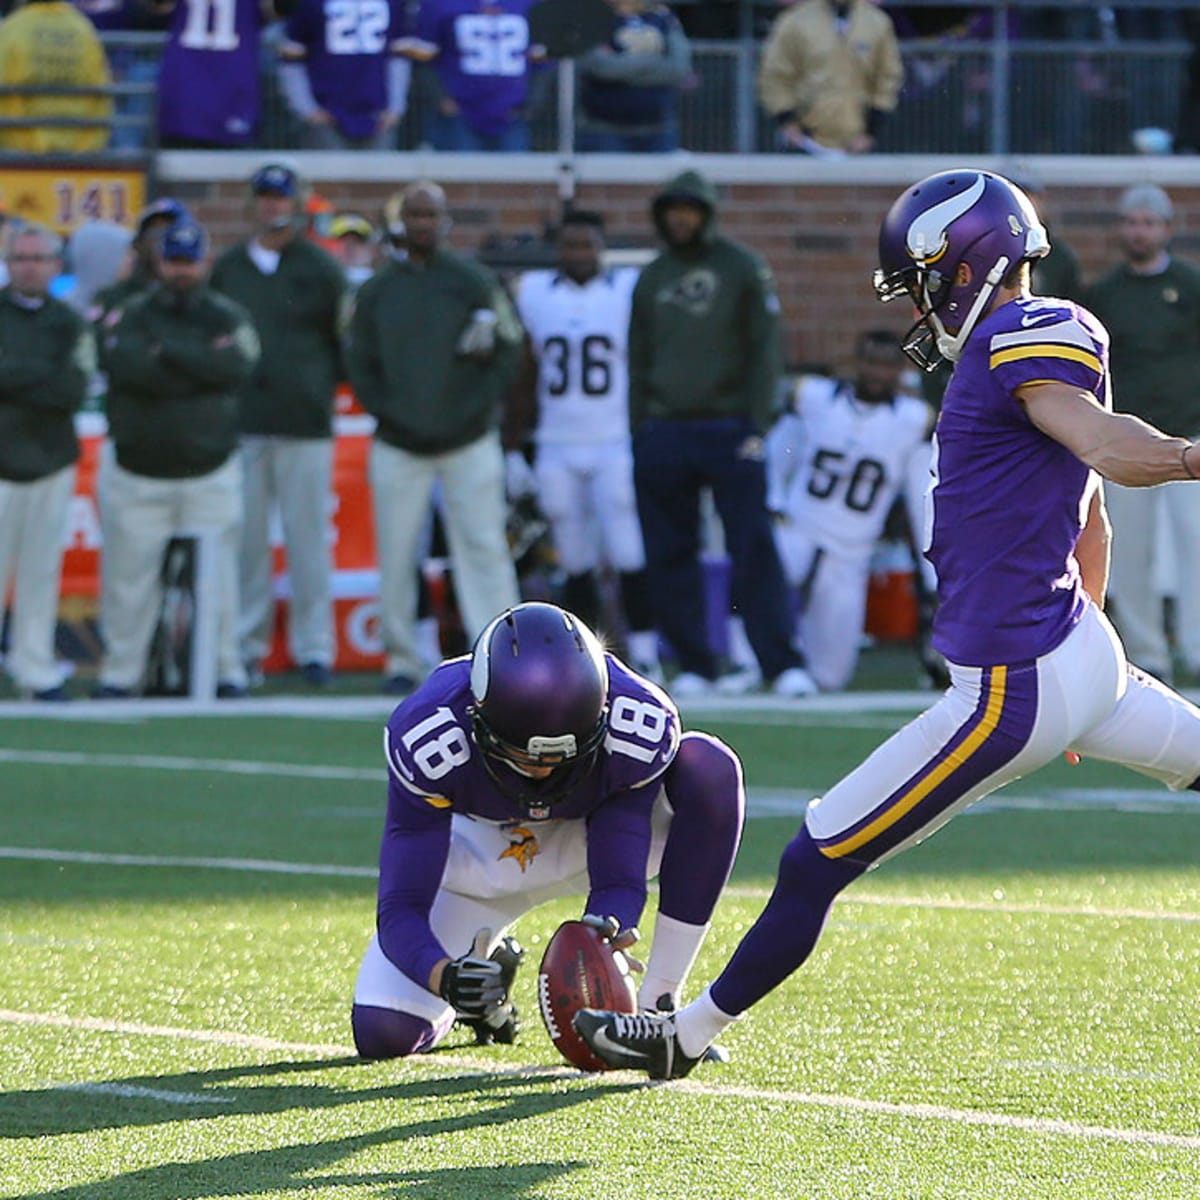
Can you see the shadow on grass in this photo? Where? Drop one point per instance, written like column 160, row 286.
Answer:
column 494, row 1099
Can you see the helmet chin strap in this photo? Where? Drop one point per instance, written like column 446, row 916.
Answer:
column 950, row 346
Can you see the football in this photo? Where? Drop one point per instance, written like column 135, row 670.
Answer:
column 581, row 970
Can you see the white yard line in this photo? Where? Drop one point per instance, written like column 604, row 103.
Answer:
column 129, row 1092
column 278, row 867
column 1042, row 1126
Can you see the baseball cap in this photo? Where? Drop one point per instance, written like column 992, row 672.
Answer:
column 185, row 241
column 343, row 224
column 274, row 179
column 168, row 208
column 1146, row 197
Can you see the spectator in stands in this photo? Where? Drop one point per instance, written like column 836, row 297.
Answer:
column 437, row 398
column 837, row 460
column 577, row 319
column 132, row 65
column 153, row 221
column 830, row 75
column 355, row 245
column 480, row 55
column 629, row 86
column 47, row 357
column 703, row 374
column 296, row 296
column 208, row 89
column 48, row 46
column 345, row 78
column 176, row 356
column 1150, row 305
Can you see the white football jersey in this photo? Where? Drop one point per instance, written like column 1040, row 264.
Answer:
column 580, row 336
column 836, row 464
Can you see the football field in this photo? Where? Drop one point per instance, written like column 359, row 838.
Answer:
column 1009, row 1012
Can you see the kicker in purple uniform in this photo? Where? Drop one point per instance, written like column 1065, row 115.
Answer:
column 1017, row 530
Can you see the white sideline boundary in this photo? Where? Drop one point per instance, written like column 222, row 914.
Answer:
column 359, row 707
column 1039, row 1126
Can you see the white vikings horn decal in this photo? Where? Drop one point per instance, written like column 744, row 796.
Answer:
column 926, row 238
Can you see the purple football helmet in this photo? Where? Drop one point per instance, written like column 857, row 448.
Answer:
column 540, row 682
column 951, row 219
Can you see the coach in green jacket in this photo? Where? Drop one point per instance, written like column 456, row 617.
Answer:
column 703, row 369
column 296, row 295
column 434, row 346
column 1150, row 305
column 46, row 358
column 176, row 358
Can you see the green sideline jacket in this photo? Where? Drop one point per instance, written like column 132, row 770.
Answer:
column 704, row 333
column 175, row 364
column 298, row 313
column 47, row 356
column 1154, row 324
column 407, row 320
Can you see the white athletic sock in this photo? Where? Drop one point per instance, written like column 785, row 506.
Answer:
column 700, row 1024
column 671, row 957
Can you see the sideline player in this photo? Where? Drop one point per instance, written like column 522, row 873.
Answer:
column 536, row 767
column 577, row 318
column 836, row 461
column 1018, row 535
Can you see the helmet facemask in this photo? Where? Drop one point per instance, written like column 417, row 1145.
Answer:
column 508, row 764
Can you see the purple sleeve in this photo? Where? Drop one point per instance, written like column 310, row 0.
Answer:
column 412, row 859
column 618, row 849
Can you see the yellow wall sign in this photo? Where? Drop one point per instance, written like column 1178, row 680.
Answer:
column 64, row 196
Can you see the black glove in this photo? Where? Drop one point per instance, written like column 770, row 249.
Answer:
column 473, row 984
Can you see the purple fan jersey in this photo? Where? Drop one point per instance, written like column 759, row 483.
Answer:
column 481, row 57
column 345, row 45
column 1008, row 502
column 208, row 84
column 435, row 770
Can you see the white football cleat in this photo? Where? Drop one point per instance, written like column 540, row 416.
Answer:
column 794, row 683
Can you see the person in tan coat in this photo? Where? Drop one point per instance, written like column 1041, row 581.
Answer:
column 830, row 74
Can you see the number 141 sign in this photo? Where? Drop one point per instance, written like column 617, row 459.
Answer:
column 64, row 197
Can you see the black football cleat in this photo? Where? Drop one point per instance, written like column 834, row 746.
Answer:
column 502, row 1025
column 635, row 1042
column 713, row 1053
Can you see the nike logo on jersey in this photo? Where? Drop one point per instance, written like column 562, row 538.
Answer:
column 1036, row 318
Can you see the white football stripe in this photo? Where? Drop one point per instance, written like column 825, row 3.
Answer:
column 1052, row 1126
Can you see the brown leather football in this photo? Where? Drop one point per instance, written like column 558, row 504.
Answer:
column 580, row 969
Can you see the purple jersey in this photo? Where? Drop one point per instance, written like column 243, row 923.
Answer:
column 1008, row 502
column 480, row 52
column 208, row 84
column 345, row 45
column 436, row 770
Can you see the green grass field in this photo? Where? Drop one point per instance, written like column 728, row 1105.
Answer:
column 1009, row 1011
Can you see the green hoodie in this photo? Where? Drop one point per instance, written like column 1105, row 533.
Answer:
column 704, row 333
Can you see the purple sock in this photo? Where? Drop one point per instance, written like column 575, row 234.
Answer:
column 788, row 928
column 704, row 787
column 385, row 1033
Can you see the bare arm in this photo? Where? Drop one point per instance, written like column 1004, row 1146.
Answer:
column 1092, row 549
column 1120, row 446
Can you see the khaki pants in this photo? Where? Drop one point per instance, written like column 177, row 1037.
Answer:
column 33, row 524
column 139, row 515
column 472, row 491
column 297, row 475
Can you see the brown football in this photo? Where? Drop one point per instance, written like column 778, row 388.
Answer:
column 581, row 970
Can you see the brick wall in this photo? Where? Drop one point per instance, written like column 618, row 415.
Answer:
column 818, row 238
